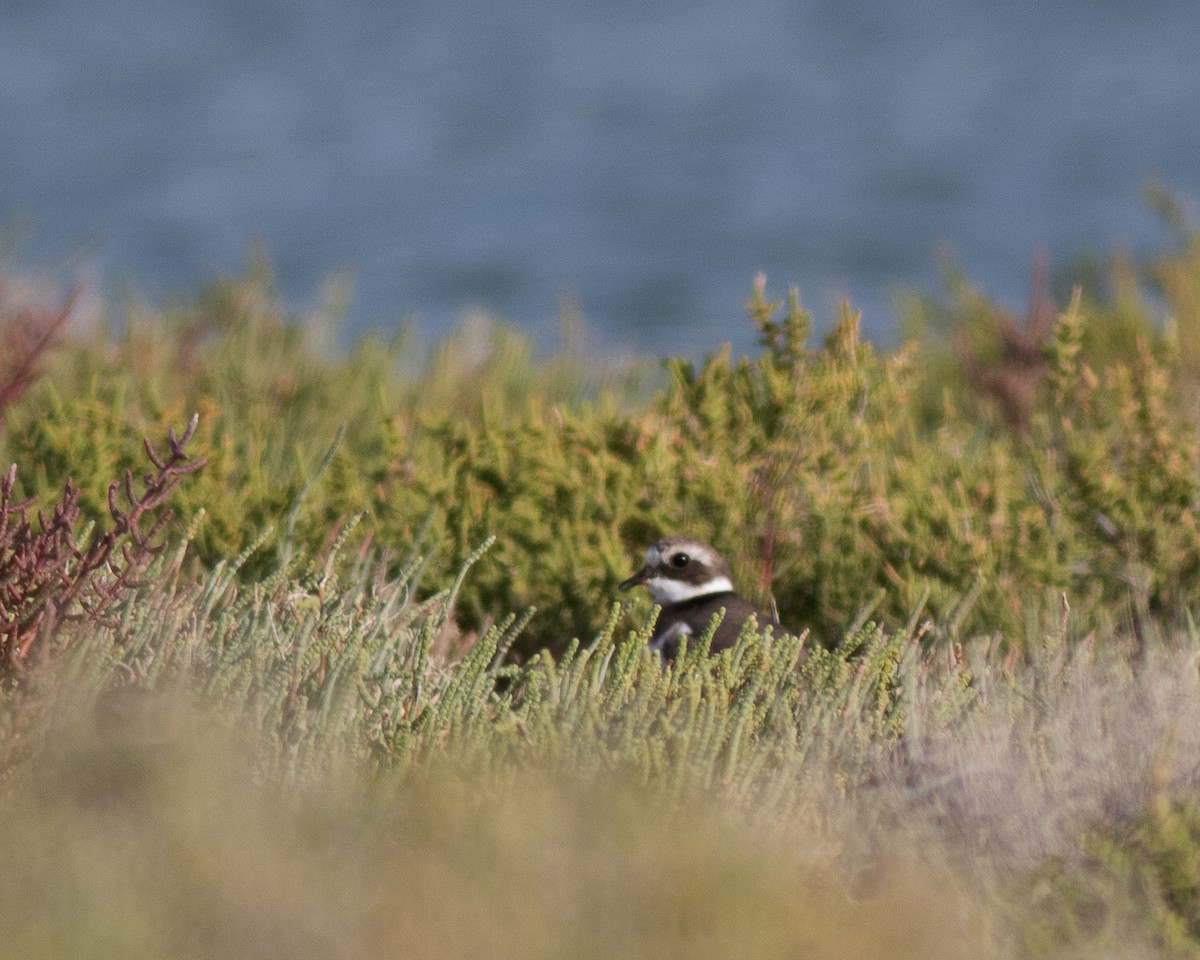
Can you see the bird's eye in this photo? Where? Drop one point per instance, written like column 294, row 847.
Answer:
column 680, row 560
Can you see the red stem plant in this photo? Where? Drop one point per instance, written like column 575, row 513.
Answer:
column 1014, row 379
column 46, row 577
column 27, row 334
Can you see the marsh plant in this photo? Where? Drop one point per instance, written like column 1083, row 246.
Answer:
column 341, row 672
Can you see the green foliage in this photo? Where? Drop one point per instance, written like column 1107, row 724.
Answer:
column 1126, row 473
column 832, row 477
column 1144, row 875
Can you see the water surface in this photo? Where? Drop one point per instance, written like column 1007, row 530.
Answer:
column 645, row 159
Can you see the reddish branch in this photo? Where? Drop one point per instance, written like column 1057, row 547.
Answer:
column 46, row 577
column 1014, row 379
column 26, row 335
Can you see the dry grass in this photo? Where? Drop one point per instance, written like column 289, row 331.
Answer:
column 1087, row 743
column 143, row 833
column 169, row 849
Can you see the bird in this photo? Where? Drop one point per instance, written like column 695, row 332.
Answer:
column 692, row 583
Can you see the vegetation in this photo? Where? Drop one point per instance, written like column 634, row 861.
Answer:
column 337, row 669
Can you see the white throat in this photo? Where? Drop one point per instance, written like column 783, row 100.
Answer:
column 667, row 591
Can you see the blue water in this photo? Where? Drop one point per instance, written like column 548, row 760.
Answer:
column 645, row 159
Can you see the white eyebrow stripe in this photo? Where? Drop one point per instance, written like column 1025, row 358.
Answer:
column 674, row 591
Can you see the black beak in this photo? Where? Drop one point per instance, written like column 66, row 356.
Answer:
column 640, row 577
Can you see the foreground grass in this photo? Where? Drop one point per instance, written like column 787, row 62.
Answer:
column 231, row 769
column 255, row 770
column 183, row 856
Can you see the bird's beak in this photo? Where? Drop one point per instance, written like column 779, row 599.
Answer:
column 640, row 577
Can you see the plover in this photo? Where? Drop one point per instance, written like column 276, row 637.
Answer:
column 691, row 582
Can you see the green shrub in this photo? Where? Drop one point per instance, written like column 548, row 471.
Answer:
column 834, row 478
